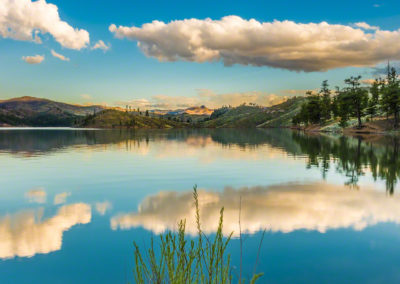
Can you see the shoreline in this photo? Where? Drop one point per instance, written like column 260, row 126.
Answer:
column 309, row 129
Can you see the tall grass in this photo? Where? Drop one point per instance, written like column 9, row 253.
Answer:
column 181, row 261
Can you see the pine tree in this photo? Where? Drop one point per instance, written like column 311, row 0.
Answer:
column 391, row 96
column 325, row 94
column 359, row 97
column 373, row 102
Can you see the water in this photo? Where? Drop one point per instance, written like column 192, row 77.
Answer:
column 73, row 201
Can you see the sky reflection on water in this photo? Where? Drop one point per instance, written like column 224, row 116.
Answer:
column 74, row 200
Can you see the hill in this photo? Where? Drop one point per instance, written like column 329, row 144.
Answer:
column 247, row 116
column 30, row 111
column 112, row 118
column 192, row 115
column 30, row 105
column 201, row 110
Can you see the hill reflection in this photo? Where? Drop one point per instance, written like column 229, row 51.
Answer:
column 350, row 156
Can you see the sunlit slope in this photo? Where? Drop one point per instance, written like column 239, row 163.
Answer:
column 111, row 118
column 255, row 116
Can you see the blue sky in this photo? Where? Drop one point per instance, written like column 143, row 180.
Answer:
column 124, row 73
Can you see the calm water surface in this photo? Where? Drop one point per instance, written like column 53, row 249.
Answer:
column 73, row 201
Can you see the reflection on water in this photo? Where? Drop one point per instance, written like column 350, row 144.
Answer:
column 37, row 195
column 351, row 156
column 299, row 187
column 283, row 208
column 103, row 207
column 25, row 234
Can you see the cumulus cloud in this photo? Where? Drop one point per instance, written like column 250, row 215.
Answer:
column 283, row 208
column 36, row 195
column 37, row 59
column 208, row 98
column 24, row 234
column 101, row 45
column 103, row 207
column 365, row 26
column 281, row 44
column 59, row 56
column 61, row 198
column 26, row 20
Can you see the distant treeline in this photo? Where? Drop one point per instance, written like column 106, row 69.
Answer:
column 353, row 101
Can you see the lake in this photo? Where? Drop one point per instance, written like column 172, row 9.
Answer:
column 73, row 201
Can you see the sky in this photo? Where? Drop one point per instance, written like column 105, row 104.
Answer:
column 171, row 54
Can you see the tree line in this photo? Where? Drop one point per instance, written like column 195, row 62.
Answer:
column 353, row 101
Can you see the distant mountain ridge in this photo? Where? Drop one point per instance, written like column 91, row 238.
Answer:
column 31, row 111
column 33, row 104
column 195, row 110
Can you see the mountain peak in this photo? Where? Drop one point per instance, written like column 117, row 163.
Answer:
column 25, row 99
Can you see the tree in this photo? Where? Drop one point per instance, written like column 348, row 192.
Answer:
column 335, row 103
column 344, row 106
column 325, row 94
column 313, row 107
column 373, row 101
column 359, row 97
column 147, row 112
column 390, row 100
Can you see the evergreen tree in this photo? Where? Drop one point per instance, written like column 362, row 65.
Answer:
column 344, row 105
column 390, row 100
column 359, row 97
column 373, row 102
column 313, row 107
column 325, row 94
column 335, row 103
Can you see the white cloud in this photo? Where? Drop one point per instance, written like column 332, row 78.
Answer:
column 36, row 195
column 59, row 56
column 283, row 208
column 37, row 59
column 101, row 45
column 25, row 20
column 24, row 234
column 103, row 207
column 207, row 98
column 86, row 96
column 281, row 44
column 61, row 198
column 365, row 26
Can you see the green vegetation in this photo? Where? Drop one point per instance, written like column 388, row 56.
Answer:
column 36, row 119
column 30, row 111
column 251, row 115
column 181, row 261
column 353, row 101
column 112, row 118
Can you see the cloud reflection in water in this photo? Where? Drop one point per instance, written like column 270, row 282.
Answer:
column 281, row 208
column 24, row 234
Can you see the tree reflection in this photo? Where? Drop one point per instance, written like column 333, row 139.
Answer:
column 350, row 156
column 353, row 156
